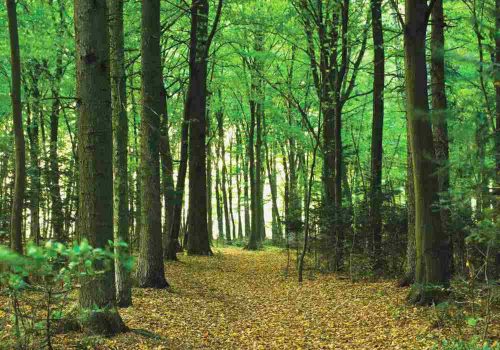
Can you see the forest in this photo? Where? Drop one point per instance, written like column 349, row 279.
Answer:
column 250, row 174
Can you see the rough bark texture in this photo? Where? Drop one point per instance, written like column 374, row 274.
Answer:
column 431, row 241
column 377, row 132
column 440, row 123
column 198, row 242
column 95, row 144
column 16, row 236
column 120, row 152
column 150, row 269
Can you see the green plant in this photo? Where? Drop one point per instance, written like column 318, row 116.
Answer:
column 39, row 285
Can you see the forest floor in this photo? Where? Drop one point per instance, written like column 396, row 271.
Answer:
column 243, row 300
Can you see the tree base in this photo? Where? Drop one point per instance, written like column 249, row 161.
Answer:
column 106, row 323
column 425, row 296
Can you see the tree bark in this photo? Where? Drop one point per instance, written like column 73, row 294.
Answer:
column 377, row 132
column 440, row 123
column 16, row 236
column 120, row 151
column 198, row 242
column 150, row 268
column 95, row 145
column 431, row 242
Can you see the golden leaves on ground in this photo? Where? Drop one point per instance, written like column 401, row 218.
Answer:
column 242, row 300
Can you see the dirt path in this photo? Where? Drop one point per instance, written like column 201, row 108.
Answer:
column 242, row 300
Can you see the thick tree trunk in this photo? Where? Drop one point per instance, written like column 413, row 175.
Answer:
column 150, row 268
column 431, row 242
column 120, row 151
column 95, row 145
column 16, row 236
column 377, row 132
column 196, row 105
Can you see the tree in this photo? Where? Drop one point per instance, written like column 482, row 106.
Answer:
column 431, row 241
column 16, row 236
column 120, row 152
column 150, row 269
column 95, row 219
column 196, row 108
column 376, row 195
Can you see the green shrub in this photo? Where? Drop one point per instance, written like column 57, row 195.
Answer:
column 39, row 285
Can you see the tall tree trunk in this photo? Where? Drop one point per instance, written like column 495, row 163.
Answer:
column 150, row 268
column 223, row 184
column 167, row 180
column 218, row 199
column 210, row 219
column 254, row 238
column 198, row 242
column 246, row 195
column 431, row 242
column 410, row 264
column 57, row 219
column 136, row 151
column 173, row 234
column 238, row 183
column 16, row 236
column 377, row 132
column 497, row 126
column 120, row 149
column 439, row 114
column 95, row 155
column 34, row 143
column 230, row 189
column 277, row 235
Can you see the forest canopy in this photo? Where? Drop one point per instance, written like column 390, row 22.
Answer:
column 349, row 139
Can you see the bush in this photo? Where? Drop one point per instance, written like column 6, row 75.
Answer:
column 39, row 284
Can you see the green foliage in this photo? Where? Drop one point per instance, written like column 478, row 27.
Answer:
column 40, row 285
column 472, row 344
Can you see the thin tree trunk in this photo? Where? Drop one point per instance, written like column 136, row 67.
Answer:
column 120, row 150
column 377, row 132
column 16, row 235
column 33, row 119
column 223, row 184
column 173, row 235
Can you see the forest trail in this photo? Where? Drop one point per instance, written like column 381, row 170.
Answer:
column 242, row 300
